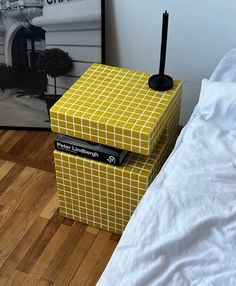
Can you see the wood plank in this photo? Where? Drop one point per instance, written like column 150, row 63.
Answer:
column 67, row 248
column 40, row 244
column 5, row 167
column 46, row 197
column 5, row 213
column 28, row 201
column 75, row 259
column 92, row 230
column 13, row 140
column 68, row 221
column 1, row 163
column 115, row 237
column 95, row 261
column 16, row 279
column 18, row 224
column 30, row 148
column 20, row 186
column 25, row 150
column 5, row 136
column 11, row 233
column 10, row 177
column 44, row 152
column 33, row 278
column 51, row 207
column 46, row 183
column 27, row 188
column 22, row 248
column 43, row 282
column 23, row 144
column 39, row 139
column 27, row 162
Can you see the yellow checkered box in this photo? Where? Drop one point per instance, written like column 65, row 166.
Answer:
column 103, row 195
column 115, row 107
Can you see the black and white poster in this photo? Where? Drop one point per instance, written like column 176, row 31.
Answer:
column 45, row 46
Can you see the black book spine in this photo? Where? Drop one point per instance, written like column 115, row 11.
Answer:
column 87, row 153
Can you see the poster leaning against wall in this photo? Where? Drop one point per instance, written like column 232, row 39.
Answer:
column 45, row 46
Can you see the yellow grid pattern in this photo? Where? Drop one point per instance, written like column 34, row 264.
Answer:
column 115, row 107
column 103, row 195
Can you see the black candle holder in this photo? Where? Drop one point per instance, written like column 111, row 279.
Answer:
column 162, row 82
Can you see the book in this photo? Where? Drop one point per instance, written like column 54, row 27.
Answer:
column 88, row 149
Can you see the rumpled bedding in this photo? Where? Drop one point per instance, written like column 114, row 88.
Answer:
column 184, row 229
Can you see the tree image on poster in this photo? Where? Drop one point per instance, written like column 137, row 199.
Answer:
column 45, row 47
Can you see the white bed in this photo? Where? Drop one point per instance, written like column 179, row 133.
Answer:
column 184, row 229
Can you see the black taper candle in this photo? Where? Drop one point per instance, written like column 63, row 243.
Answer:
column 163, row 44
column 161, row 81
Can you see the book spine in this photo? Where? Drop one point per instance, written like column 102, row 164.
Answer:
column 87, row 153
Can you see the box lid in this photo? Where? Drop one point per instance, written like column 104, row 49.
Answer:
column 115, row 107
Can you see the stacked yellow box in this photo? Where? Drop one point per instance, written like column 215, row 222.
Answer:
column 115, row 107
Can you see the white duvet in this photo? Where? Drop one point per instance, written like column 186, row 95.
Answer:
column 184, row 230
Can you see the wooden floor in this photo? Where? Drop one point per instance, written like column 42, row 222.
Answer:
column 38, row 246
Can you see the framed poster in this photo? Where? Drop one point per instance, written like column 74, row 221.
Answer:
column 44, row 48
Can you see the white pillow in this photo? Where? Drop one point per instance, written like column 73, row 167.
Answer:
column 217, row 103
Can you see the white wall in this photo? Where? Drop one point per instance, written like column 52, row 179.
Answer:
column 200, row 33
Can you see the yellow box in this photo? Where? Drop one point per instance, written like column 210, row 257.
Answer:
column 115, row 107
column 103, row 195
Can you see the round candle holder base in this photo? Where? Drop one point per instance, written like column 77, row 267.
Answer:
column 160, row 82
